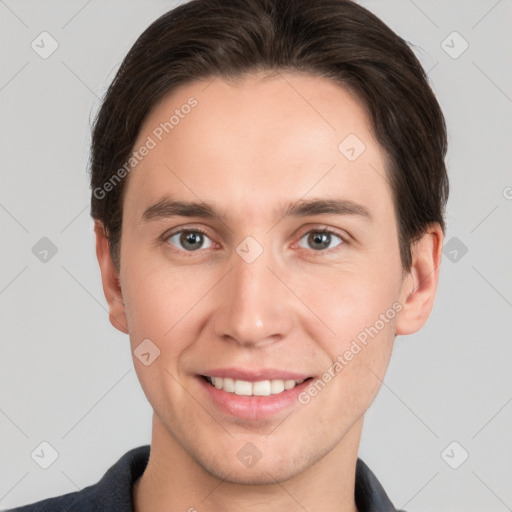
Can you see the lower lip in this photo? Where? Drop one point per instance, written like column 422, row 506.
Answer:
column 253, row 407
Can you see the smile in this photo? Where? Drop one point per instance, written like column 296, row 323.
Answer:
column 258, row 388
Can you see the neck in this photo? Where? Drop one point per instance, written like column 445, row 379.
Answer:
column 174, row 482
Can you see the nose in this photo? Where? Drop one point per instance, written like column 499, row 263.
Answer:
column 254, row 307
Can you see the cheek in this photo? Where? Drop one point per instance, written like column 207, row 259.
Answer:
column 158, row 305
column 362, row 314
column 360, row 308
column 348, row 302
column 163, row 304
column 149, row 297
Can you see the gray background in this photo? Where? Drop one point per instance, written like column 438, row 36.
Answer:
column 66, row 375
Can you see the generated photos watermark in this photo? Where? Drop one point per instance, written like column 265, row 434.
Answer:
column 357, row 345
column 151, row 142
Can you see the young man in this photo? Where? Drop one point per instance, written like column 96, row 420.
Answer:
column 268, row 188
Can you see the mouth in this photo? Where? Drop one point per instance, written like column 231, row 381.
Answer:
column 257, row 388
column 256, row 399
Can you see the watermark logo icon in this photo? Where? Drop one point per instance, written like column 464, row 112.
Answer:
column 351, row 147
column 454, row 455
column 44, row 250
column 454, row 45
column 44, row 45
column 44, row 455
column 249, row 249
column 455, row 249
column 249, row 455
column 146, row 352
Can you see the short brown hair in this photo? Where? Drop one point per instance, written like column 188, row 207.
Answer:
column 335, row 39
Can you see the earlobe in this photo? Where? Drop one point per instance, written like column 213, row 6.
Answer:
column 420, row 285
column 110, row 280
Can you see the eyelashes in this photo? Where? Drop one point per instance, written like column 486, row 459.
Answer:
column 321, row 236
column 318, row 240
column 189, row 238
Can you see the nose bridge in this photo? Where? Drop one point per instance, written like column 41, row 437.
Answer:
column 253, row 308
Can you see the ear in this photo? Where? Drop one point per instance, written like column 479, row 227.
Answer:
column 110, row 280
column 420, row 284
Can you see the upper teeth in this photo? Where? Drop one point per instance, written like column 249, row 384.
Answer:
column 260, row 388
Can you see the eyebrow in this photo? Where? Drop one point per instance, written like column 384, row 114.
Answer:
column 303, row 208
column 167, row 207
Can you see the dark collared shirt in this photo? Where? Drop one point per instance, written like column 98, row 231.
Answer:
column 113, row 493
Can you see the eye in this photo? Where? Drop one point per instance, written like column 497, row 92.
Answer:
column 320, row 240
column 190, row 240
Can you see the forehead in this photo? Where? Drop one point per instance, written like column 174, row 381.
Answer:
column 256, row 140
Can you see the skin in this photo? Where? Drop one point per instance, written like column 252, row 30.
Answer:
column 248, row 148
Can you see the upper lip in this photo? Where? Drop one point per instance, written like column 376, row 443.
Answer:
column 255, row 375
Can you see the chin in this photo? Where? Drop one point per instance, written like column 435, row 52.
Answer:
column 262, row 473
column 266, row 467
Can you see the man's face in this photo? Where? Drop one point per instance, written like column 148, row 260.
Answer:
column 265, row 289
